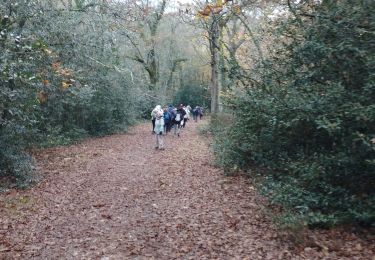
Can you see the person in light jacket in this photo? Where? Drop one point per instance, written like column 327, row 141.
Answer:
column 159, row 126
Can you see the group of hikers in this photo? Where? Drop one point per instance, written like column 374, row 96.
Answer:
column 168, row 118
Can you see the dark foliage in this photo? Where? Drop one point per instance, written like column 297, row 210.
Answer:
column 53, row 88
column 310, row 121
column 193, row 95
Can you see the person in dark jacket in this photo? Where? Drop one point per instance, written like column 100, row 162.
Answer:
column 167, row 120
column 179, row 119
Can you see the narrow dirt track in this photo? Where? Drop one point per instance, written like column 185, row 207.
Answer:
column 118, row 198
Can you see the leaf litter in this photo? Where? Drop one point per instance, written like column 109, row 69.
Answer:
column 117, row 197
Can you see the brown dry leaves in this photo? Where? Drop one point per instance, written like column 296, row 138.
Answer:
column 118, row 198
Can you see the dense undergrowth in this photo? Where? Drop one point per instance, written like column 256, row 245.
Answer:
column 307, row 120
column 53, row 88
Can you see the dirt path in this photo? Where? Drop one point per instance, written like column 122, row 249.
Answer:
column 118, row 198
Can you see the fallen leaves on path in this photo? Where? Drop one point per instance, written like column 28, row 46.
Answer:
column 118, row 198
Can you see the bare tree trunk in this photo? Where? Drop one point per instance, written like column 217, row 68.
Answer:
column 215, row 84
column 150, row 60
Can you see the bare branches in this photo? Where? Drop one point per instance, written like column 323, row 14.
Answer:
column 154, row 23
column 139, row 56
column 255, row 40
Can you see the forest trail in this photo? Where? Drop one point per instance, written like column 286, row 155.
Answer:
column 117, row 197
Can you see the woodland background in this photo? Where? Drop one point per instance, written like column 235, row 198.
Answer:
column 290, row 85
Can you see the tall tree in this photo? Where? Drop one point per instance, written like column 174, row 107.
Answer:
column 214, row 20
column 147, row 32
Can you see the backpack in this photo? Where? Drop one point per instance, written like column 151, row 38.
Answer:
column 167, row 116
column 178, row 117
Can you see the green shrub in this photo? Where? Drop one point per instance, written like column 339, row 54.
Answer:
column 309, row 123
column 53, row 90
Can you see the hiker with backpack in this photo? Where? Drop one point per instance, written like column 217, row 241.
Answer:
column 178, row 120
column 186, row 116
column 200, row 112
column 195, row 114
column 158, row 113
column 167, row 120
column 172, row 112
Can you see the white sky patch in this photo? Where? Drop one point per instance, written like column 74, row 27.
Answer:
column 173, row 5
column 185, row 1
